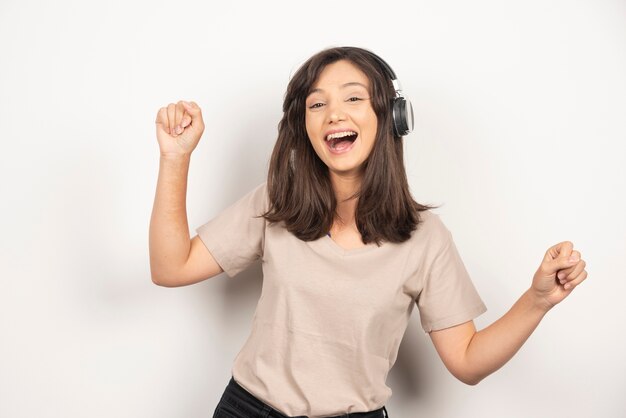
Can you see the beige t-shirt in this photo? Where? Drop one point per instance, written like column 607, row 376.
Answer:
column 329, row 322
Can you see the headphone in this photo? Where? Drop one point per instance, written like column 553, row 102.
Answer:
column 402, row 111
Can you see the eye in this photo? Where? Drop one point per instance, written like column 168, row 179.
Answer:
column 354, row 99
column 316, row 105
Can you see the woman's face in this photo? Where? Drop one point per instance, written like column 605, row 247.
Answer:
column 340, row 121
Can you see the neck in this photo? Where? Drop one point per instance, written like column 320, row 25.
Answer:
column 345, row 186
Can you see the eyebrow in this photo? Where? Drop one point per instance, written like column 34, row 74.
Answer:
column 352, row 83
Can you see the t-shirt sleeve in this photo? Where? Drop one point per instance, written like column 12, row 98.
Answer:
column 236, row 236
column 448, row 297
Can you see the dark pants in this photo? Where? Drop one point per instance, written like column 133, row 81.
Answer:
column 236, row 402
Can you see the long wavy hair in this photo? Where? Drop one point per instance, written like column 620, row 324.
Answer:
column 299, row 188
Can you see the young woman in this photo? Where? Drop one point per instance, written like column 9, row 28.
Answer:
column 347, row 253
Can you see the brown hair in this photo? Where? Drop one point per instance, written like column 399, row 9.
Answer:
column 299, row 187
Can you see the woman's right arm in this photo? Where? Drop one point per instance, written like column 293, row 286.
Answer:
column 175, row 260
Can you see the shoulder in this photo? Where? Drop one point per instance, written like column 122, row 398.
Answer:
column 431, row 231
column 252, row 203
column 432, row 224
column 260, row 191
column 258, row 197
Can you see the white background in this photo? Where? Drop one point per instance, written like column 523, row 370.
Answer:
column 520, row 135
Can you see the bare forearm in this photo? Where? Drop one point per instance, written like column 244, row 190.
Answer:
column 492, row 347
column 471, row 356
column 169, row 230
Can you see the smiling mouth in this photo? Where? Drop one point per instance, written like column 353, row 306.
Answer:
column 341, row 142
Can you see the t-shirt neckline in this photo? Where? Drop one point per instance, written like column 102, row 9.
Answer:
column 330, row 243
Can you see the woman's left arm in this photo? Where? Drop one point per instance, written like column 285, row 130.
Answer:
column 471, row 356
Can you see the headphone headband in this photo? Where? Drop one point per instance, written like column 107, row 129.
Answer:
column 384, row 64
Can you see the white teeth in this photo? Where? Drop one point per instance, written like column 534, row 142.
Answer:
column 340, row 135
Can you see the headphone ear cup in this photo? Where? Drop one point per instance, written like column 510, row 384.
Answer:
column 402, row 117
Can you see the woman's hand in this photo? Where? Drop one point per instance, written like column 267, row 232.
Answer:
column 561, row 270
column 179, row 128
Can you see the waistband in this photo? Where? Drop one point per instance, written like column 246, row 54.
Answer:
column 239, row 391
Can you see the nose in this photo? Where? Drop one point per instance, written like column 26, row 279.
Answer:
column 336, row 114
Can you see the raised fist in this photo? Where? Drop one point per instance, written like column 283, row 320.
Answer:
column 561, row 270
column 179, row 128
